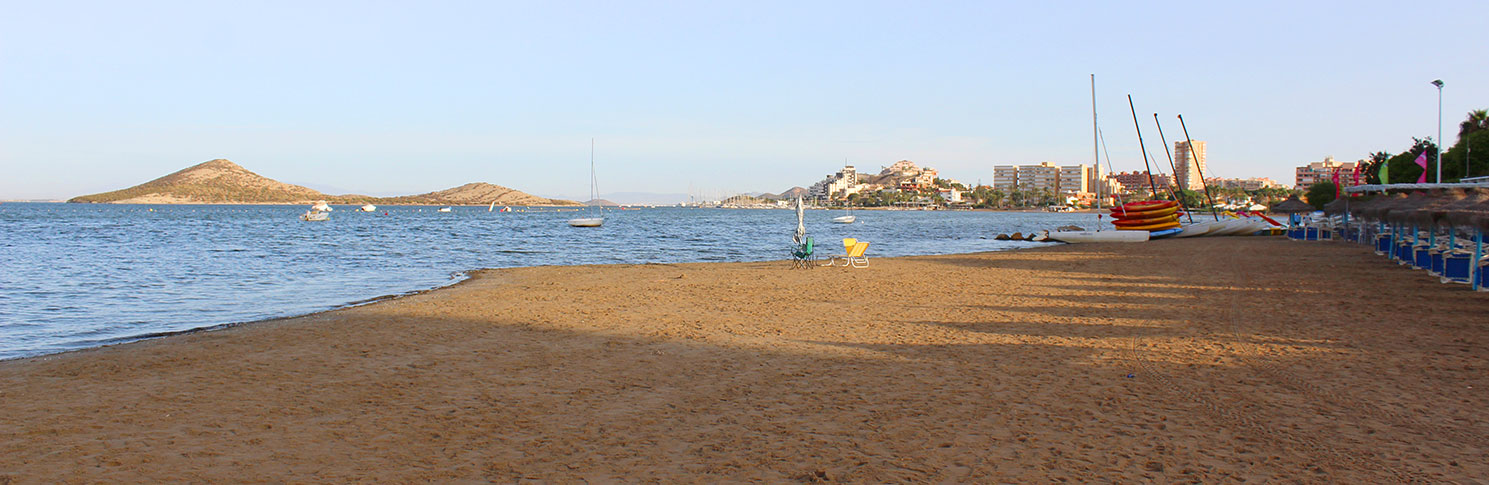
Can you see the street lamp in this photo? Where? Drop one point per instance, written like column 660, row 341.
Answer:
column 1438, row 83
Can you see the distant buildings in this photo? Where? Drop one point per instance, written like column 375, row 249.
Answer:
column 1137, row 182
column 1060, row 179
column 1325, row 171
column 902, row 176
column 1244, row 184
column 1189, row 165
column 844, row 182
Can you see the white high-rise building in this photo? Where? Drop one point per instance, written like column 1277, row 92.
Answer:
column 1189, row 166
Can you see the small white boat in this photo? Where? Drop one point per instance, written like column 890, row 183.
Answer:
column 368, row 208
column 445, row 209
column 313, row 216
column 587, row 222
column 321, row 206
column 1099, row 236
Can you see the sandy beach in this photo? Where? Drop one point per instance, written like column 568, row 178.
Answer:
column 1196, row 360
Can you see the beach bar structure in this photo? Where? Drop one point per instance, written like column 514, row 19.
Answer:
column 1438, row 228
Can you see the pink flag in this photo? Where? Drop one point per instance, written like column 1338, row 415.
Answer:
column 1336, row 183
column 1422, row 160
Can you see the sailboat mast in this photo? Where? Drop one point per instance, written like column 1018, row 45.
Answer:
column 1151, row 186
column 594, row 183
column 1171, row 165
column 1095, row 146
column 1194, row 157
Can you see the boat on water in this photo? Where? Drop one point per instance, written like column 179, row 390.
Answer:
column 845, row 219
column 321, row 206
column 314, row 216
column 368, row 208
column 596, row 217
column 445, row 209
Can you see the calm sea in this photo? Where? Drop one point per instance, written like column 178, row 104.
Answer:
column 82, row 275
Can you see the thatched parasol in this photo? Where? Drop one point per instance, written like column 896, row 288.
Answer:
column 1382, row 205
column 1481, row 219
column 1430, row 213
column 1358, row 207
column 1463, row 212
column 1290, row 206
column 1400, row 213
column 1336, row 206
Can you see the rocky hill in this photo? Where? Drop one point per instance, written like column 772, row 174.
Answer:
column 215, row 182
column 475, row 194
column 224, row 182
column 791, row 194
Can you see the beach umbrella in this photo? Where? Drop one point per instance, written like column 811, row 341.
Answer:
column 801, row 225
column 1336, row 206
column 1378, row 210
column 1359, row 208
column 1429, row 214
column 1463, row 212
column 1291, row 206
column 1401, row 211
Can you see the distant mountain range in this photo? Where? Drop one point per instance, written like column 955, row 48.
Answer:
column 223, row 182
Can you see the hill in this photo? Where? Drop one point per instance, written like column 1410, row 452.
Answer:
column 223, row 182
column 792, row 194
column 475, row 194
column 214, row 182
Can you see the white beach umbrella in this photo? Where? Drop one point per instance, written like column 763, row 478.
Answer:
column 801, row 225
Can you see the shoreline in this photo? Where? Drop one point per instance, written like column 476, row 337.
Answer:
column 458, row 277
column 1073, row 362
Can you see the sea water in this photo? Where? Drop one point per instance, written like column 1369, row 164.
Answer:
column 81, row 275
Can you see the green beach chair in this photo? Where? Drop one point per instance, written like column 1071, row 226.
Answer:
column 804, row 256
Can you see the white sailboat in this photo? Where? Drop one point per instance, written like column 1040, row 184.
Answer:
column 594, row 219
column 321, row 206
column 847, row 219
column 445, row 209
column 369, row 208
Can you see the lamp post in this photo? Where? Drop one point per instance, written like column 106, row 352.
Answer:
column 1438, row 83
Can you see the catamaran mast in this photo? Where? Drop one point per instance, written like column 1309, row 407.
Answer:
column 1151, row 186
column 1171, row 165
column 1095, row 147
column 1194, row 157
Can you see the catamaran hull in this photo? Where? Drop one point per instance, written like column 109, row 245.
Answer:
column 1099, row 236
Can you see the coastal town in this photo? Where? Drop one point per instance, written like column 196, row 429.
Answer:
column 905, row 184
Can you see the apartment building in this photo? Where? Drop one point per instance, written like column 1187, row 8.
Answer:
column 1307, row 175
column 1244, row 184
column 1189, row 165
column 1137, row 182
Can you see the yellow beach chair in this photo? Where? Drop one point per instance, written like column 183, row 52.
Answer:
column 848, row 243
column 855, row 257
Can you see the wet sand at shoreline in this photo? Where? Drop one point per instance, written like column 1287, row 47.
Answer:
column 1225, row 359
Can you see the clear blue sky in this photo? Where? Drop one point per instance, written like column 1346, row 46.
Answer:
column 402, row 97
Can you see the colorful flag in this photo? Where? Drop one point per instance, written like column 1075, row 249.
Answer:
column 1385, row 172
column 1422, row 160
column 1336, row 183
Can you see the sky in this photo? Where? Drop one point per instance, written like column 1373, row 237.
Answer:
column 387, row 98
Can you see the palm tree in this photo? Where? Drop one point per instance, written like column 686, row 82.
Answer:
column 1478, row 120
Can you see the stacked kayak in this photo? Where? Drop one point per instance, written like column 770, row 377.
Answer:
column 1148, row 215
